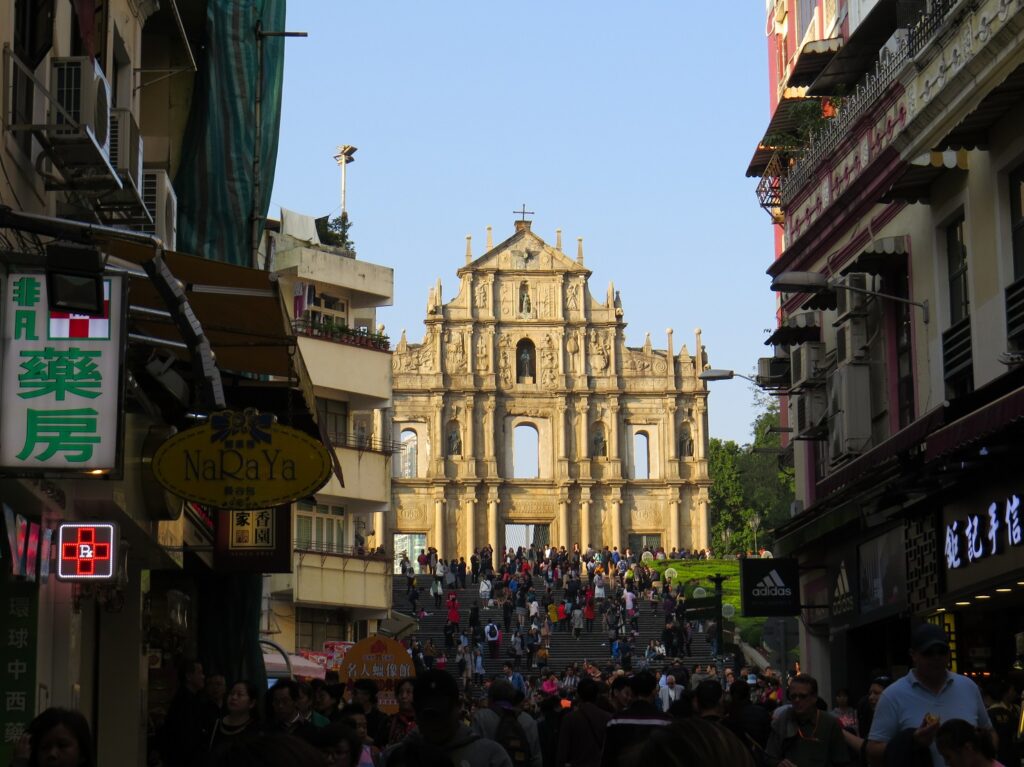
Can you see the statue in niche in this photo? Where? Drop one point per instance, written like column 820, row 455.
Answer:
column 526, row 361
column 598, row 354
column 482, row 355
column 685, row 442
column 454, row 440
column 525, row 304
column 600, row 447
column 572, row 300
column 481, row 295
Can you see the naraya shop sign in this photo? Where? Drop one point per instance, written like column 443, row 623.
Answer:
column 242, row 460
column 981, row 537
column 60, row 384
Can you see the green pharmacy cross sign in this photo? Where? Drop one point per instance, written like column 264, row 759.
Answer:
column 60, row 380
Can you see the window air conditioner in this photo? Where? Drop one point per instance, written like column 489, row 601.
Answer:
column 805, row 362
column 809, row 408
column 852, row 341
column 78, row 85
column 849, row 412
column 126, row 149
column 773, row 371
column 159, row 199
column 850, row 303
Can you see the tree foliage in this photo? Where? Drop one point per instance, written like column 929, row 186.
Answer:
column 335, row 232
column 748, row 484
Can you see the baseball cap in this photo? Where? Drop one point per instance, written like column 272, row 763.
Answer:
column 927, row 636
column 434, row 691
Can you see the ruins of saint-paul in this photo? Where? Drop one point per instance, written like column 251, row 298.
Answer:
column 524, row 418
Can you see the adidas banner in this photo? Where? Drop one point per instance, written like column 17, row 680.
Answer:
column 769, row 587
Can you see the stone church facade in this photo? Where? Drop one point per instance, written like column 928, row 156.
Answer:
column 523, row 416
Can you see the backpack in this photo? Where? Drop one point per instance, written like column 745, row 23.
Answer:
column 512, row 737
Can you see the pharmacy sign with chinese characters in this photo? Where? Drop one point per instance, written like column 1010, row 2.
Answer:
column 60, row 383
column 242, row 460
column 983, row 538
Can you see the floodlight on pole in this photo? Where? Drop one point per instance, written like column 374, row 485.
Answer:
column 343, row 157
column 815, row 282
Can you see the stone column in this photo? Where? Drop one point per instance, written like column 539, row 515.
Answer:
column 560, row 439
column 439, row 526
column 583, row 444
column 489, row 431
column 618, row 528
column 470, row 426
column 492, row 521
column 470, row 507
column 563, row 522
column 673, row 439
column 439, row 443
column 613, row 431
column 585, row 523
column 673, row 525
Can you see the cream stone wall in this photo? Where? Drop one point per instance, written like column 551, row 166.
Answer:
column 467, row 385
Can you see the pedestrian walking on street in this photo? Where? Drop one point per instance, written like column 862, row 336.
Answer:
column 803, row 735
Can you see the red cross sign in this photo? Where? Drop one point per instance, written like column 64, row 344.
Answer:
column 86, row 551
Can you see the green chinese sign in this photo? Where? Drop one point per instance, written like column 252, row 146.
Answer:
column 60, row 381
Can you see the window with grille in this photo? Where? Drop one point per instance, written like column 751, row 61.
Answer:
column 956, row 256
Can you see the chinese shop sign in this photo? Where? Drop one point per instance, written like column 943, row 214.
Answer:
column 981, row 537
column 242, row 460
column 385, row 661
column 19, row 604
column 257, row 541
column 61, row 381
column 86, row 551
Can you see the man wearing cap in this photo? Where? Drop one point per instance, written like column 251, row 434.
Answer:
column 629, row 728
column 927, row 696
column 503, row 700
column 441, row 736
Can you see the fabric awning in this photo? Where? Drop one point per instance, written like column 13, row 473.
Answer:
column 879, row 255
column 976, row 426
column 972, row 131
column 239, row 308
column 813, row 58
column 276, row 667
column 915, row 182
column 787, row 335
column 789, row 112
column 758, row 163
column 859, row 52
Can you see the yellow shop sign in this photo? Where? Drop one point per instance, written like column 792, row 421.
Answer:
column 242, row 460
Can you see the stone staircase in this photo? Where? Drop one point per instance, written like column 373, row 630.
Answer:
column 564, row 649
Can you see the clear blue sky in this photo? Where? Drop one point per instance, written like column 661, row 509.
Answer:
column 630, row 125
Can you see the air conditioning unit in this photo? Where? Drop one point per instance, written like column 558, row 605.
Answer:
column 809, row 411
column 805, row 364
column 850, row 300
column 126, row 149
column 78, row 85
column 159, row 198
column 849, row 412
column 773, row 371
column 852, row 341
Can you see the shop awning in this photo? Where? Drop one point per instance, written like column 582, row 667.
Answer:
column 859, row 52
column 914, row 184
column 898, row 444
column 972, row 131
column 787, row 335
column 239, row 308
column 813, row 58
column 790, row 112
column 879, row 255
column 276, row 667
column 984, row 422
column 758, row 163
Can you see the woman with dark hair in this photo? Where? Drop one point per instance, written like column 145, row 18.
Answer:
column 962, row 745
column 403, row 722
column 58, row 737
column 339, row 743
column 691, row 741
column 241, row 720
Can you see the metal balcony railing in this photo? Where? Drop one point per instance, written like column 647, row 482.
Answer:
column 362, row 442
column 769, row 188
column 825, row 142
column 341, row 334
column 956, row 349
column 1015, row 315
column 341, row 550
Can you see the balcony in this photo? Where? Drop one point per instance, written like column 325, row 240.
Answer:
column 367, row 474
column 364, row 284
column 337, row 576
column 343, row 364
column 925, row 75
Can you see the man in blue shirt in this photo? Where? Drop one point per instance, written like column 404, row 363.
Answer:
column 927, row 696
column 514, row 678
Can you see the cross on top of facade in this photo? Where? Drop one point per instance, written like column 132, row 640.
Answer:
column 524, row 212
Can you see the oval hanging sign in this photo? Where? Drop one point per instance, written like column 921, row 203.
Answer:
column 242, row 460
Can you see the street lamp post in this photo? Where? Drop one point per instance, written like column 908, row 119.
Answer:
column 815, row 282
column 755, row 522
column 343, row 157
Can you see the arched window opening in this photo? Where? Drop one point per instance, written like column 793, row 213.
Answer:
column 526, row 361
column 598, row 441
column 453, row 443
column 408, row 465
column 641, row 456
column 526, row 452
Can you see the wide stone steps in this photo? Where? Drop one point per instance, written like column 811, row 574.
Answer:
column 564, row 648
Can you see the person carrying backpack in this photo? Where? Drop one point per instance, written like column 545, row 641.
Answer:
column 502, row 721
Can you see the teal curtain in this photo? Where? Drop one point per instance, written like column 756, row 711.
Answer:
column 215, row 181
column 229, row 625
